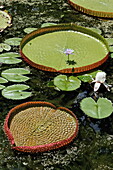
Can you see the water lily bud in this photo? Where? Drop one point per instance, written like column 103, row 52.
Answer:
column 100, row 77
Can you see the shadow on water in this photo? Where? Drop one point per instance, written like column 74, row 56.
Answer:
column 93, row 147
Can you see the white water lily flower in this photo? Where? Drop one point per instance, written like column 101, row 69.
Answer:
column 100, row 79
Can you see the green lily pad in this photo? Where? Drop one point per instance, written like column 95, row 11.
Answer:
column 67, row 83
column 5, row 20
column 15, row 74
column 96, row 8
column 1, row 49
column 29, row 30
column 3, row 80
column 2, row 87
column 109, row 40
column 47, row 48
column 99, row 110
column 111, row 49
column 16, row 92
column 88, row 77
column 5, row 47
column 111, row 55
column 48, row 24
column 85, row 78
column 95, row 30
column 13, row 41
column 10, row 58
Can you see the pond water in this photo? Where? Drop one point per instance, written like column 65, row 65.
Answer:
column 92, row 149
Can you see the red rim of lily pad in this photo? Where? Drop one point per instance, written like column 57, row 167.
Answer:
column 59, row 28
column 44, row 147
column 91, row 12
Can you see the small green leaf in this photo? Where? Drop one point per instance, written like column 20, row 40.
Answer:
column 13, row 41
column 109, row 40
column 85, row 78
column 2, row 80
column 99, row 110
column 50, row 83
column 15, row 92
column 111, row 55
column 47, row 24
column 98, row 31
column 10, row 58
column 15, row 74
column 111, row 49
column 67, row 83
column 10, row 54
column 29, row 30
column 5, row 46
column 1, row 49
column 2, row 87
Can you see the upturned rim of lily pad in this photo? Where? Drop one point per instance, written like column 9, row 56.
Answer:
column 97, row 13
column 64, row 27
column 38, row 148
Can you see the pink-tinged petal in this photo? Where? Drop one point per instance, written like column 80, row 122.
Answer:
column 68, row 51
column 96, row 86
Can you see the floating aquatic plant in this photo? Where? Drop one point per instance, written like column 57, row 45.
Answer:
column 39, row 47
column 16, row 92
column 5, row 47
column 13, row 41
column 89, row 76
column 5, row 20
column 48, row 24
column 98, row 8
column 99, row 110
column 66, row 83
column 97, row 30
column 10, row 58
column 3, row 80
column 29, row 30
column 16, row 74
column 40, row 126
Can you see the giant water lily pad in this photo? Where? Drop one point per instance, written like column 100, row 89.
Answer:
column 103, row 8
column 64, row 48
column 5, row 20
column 40, row 126
column 100, row 109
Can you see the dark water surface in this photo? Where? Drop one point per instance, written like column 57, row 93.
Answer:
column 93, row 147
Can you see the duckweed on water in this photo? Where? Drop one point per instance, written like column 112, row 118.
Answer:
column 93, row 148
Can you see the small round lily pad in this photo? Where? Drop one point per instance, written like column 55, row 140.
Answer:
column 15, row 74
column 5, row 47
column 10, row 58
column 13, row 41
column 67, row 83
column 16, row 92
column 99, row 110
